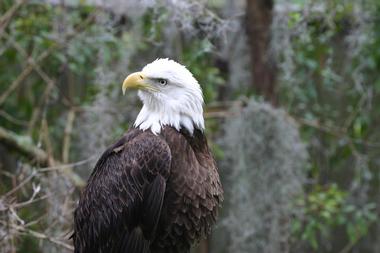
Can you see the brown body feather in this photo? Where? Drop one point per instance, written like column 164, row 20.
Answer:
column 149, row 194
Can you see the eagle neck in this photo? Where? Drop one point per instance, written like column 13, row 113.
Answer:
column 156, row 113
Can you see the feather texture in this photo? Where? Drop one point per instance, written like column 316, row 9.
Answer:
column 149, row 193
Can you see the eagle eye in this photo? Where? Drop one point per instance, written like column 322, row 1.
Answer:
column 163, row 82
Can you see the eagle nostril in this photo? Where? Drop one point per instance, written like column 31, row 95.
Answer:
column 141, row 77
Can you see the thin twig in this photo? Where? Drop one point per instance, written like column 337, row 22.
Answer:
column 12, row 119
column 26, row 180
column 316, row 124
column 68, row 165
column 24, row 74
column 67, row 135
column 44, row 134
column 30, row 60
column 16, row 83
column 223, row 110
column 353, row 115
column 43, row 237
column 39, row 155
column 6, row 18
column 349, row 246
column 31, row 64
column 41, row 108
column 30, row 201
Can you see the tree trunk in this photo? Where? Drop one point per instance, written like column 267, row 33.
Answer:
column 259, row 15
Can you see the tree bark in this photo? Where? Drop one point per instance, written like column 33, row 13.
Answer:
column 259, row 14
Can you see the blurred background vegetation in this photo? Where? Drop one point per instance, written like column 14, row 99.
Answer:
column 292, row 91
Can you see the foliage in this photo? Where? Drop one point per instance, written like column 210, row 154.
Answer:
column 326, row 209
column 328, row 83
column 304, row 178
column 197, row 59
column 195, row 53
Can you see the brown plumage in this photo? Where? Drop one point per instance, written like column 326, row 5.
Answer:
column 148, row 194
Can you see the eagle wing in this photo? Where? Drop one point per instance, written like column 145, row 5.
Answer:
column 120, row 207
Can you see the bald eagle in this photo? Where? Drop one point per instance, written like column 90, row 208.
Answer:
column 157, row 189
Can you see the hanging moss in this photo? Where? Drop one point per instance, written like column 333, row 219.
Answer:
column 265, row 160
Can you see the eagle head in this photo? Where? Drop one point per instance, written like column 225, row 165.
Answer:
column 170, row 95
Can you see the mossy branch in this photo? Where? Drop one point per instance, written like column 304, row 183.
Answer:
column 24, row 146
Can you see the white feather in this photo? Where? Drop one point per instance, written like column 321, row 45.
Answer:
column 178, row 104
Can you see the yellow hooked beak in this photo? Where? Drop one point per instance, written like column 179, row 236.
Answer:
column 137, row 81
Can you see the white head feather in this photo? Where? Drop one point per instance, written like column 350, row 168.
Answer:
column 178, row 103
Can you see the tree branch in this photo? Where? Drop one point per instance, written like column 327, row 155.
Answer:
column 35, row 154
column 67, row 135
column 6, row 18
column 24, row 147
column 43, row 236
